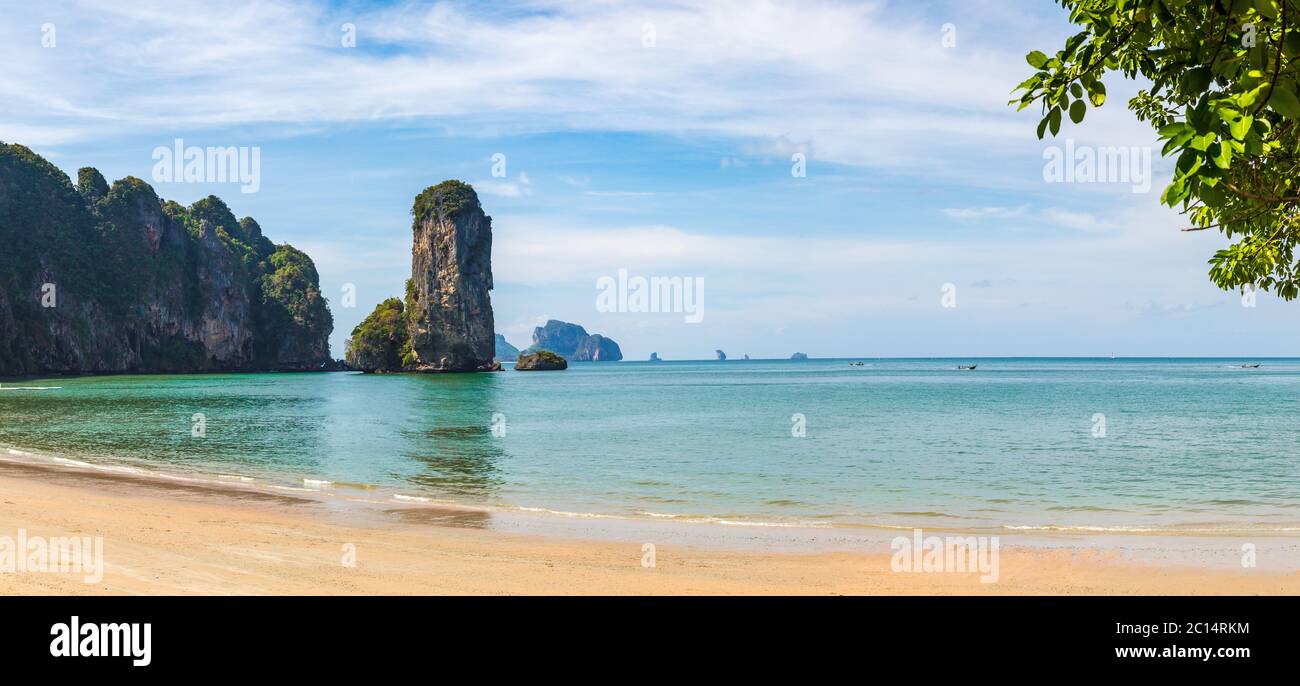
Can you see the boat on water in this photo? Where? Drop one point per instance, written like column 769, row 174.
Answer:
column 967, row 367
column 857, row 364
column 1250, row 365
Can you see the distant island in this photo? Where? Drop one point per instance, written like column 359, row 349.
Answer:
column 573, row 343
column 721, row 355
column 444, row 323
column 109, row 279
column 505, row 352
column 798, row 356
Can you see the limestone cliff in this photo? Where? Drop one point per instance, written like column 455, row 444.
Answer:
column 445, row 323
column 100, row 279
column 451, row 274
column 505, row 351
column 572, row 342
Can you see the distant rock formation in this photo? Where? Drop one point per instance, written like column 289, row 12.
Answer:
column 572, row 342
column 798, row 356
column 445, row 323
column 654, row 357
column 746, row 356
column 541, row 361
column 597, row 348
column 505, row 351
column 100, row 279
column 721, row 355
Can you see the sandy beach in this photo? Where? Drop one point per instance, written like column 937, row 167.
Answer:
column 177, row 537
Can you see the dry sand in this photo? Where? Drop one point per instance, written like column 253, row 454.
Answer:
column 186, row 538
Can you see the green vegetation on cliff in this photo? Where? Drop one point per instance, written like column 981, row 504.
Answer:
column 137, row 283
column 292, row 313
column 449, row 197
column 380, row 340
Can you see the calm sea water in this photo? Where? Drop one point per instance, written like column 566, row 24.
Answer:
column 1188, row 444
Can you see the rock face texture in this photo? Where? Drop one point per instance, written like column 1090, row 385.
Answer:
column 450, row 313
column 572, row 342
column 505, row 351
column 100, row 279
column 542, row 361
column 445, row 323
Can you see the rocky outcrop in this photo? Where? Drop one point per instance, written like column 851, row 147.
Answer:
column 597, row 348
column 445, row 323
column 798, row 356
column 572, row 342
column 721, row 355
column 654, row 357
column 505, row 351
column 100, row 279
column 380, row 340
column 450, row 310
column 540, row 361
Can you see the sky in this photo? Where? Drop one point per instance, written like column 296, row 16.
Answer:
column 663, row 139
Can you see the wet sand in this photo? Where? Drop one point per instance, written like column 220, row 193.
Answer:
column 164, row 536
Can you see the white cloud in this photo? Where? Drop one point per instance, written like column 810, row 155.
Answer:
column 858, row 83
column 971, row 213
column 1078, row 221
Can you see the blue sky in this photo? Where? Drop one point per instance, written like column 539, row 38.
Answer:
column 671, row 159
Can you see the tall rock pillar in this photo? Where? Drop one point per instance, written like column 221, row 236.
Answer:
column 449, row 308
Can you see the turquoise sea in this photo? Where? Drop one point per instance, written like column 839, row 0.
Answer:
column 1017, row 444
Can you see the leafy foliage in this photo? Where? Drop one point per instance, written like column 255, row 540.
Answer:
column 91, row 184
column 292, row 316
column 380, row 340
column 448, row 197
column 1223, row 97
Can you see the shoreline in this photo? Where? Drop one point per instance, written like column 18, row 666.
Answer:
column 164, row 536
column 583, row 524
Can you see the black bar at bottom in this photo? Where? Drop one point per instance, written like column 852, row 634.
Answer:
column 209, row 637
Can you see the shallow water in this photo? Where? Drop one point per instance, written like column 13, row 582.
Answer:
column 1194, row 445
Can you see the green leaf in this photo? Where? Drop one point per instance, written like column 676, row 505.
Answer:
column 1292, row 43
column 1266, row 8
column 1221, row 155
column 1247, row 100
column 1054, row 120
column 1036, row 59
column 1284, row 101
column 1077, row 111
column 1042, row 128
column 1171, row 130
column 1203, row 143
column 1029, row 83
column 1241, row 126
column 1197, row 80
column 1097, row 93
